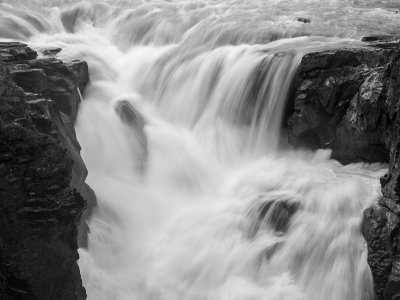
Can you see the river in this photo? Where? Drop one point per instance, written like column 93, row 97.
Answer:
column 200, row 197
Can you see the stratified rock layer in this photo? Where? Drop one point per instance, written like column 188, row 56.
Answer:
column 41, row 172
column 348, row 100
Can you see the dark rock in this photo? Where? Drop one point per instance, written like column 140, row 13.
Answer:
column 51, row 51
column 42, row 177
column 65, row 81
column 135, row 121
column 348, row 100
column 379, row 38
column 339, row 102
column 31, row 80
column 51, row 78
column 303, row 20
column 273, row 214
column 80, row 71
column 129, row 115
column 91, row 202
column 380, row 228
column 14, row 52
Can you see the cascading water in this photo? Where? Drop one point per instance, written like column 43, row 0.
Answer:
column 198, row 199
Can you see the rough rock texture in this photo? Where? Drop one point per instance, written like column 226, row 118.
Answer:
column 339, row 103
column 380, row 228
column 41, row 174
column 349, row 100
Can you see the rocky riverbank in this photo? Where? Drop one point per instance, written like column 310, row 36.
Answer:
column 349, row 100
column 42, row 186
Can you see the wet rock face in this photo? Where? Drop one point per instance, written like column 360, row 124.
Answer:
column 381, row 229
column 349, row 100
column 339, row 103
column 10, row 52
column 53, row 79
column 40, row 203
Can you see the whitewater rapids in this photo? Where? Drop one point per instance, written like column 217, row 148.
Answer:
column 204, row 200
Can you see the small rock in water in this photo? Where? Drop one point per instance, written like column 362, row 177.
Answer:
column 303, row 20
column 378, row 38
column 134, row 120
column 275, row 213
column 129, row 115
column 51, row 51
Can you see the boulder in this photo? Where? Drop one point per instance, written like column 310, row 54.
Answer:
column 135, row 122
column 303, row 20
column 339, row 103
column 51, row 51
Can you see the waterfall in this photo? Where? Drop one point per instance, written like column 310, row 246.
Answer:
column 198, row 196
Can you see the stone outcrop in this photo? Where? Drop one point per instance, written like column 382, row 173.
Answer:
column 349, row 100
column 340, row 103
column 42, row 176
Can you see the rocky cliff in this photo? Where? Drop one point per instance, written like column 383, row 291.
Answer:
column 348, row 100
column 42, row 176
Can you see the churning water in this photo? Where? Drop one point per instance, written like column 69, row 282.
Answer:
column 199, row 198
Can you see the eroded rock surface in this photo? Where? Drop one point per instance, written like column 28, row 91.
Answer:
column 340, row 103
column 348, row 100
column 42, row 175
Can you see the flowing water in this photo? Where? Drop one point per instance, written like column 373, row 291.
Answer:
column 199, row 197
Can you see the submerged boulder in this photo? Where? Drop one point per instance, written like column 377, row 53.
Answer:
column 136, row 123
column 271, row 213
column 129, row 115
